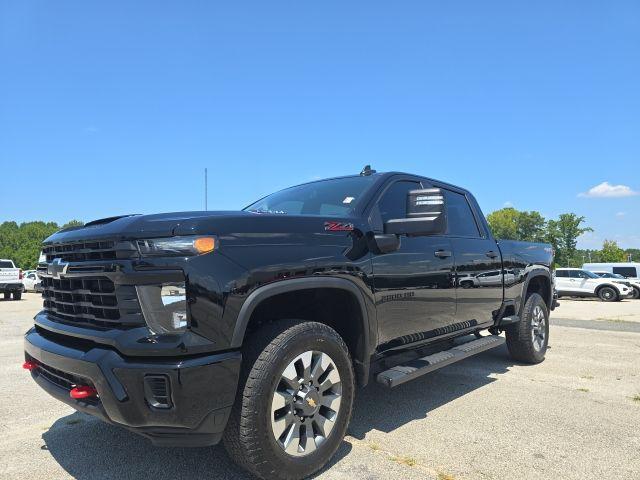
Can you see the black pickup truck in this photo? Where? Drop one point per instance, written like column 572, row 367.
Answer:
column 254, row 327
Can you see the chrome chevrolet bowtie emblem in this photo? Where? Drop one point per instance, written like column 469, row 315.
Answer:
column 312, row 403
column 57, row 268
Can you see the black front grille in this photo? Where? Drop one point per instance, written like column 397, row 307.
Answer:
column 89, row 251
column 91, row 301
column 85, row 293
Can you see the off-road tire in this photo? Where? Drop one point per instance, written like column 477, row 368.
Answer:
column 636, row 293
column 7, row 295
column 519, row 335
column 17, row 295
column 248, row 437
column 608, row 294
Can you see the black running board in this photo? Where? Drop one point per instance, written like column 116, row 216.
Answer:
column 403, row 373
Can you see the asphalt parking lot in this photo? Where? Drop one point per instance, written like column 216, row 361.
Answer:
column 575, row 416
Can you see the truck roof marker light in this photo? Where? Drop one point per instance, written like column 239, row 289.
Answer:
column 83, row 391
column 204, row 244
column 29, row 365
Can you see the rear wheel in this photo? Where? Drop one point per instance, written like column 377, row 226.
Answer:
column 7, row 295
column 636, row 293
column 295, row 404
column 528, row 339
column 17, row 295
column 607, row 294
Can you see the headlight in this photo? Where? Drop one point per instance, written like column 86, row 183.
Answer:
column 176, row 246
column 164, row 307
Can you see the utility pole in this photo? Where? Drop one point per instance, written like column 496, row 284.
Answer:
column 205, row 190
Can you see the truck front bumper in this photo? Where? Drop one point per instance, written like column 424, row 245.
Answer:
column 173, row 402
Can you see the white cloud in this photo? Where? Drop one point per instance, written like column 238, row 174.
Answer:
column 621, row 214
column 605, row 189
column 507, row 204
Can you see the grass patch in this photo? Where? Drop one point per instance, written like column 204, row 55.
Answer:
column 587, row 377
column 374, row 446
column 402, row 460
column 636, row 398
column 582, row 390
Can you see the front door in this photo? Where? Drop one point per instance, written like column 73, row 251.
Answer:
column 414, row 288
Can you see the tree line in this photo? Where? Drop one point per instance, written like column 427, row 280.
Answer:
column 562, row 233
column 22, row 243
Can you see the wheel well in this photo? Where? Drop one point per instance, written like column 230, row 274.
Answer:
column 600, row 287
column 542, row 286
column 335, row 307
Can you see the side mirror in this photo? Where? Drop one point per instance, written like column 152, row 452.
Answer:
column 425, row 214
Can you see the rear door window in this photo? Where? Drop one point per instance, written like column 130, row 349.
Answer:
column 562, row 274
column 6, row 264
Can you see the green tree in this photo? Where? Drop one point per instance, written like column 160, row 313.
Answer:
column 611, row 252
column 511, row 224
column 504, row 223
column 563, row 235
column 22, row 243
column 531, row 227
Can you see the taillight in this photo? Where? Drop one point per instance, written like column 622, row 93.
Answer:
column 20, row 274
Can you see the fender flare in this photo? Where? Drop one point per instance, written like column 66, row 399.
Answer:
column 538, row 272
column 294, row 284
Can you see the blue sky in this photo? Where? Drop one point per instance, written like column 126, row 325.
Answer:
column 110, row 108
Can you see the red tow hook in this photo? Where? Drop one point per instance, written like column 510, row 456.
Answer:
column 29, row 365
column 83, row 391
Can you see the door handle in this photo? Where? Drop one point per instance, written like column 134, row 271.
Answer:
column 491, row 254
column 442, row 253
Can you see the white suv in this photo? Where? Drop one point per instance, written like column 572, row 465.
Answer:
column 576, row 282
column 630, row 282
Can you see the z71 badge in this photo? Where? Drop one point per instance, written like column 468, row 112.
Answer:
column 338, row 227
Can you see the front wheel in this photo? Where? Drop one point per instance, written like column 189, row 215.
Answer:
column 607, row 294
column 528, row 339
column 294, row 407
column 17, row 295
column 635, row 295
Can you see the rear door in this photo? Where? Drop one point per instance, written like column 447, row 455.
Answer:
column 476, row 256
column 414, row 286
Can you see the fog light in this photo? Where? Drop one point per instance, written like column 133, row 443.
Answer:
column 164, row 307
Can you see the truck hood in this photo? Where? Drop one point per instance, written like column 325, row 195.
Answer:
column 129, row 227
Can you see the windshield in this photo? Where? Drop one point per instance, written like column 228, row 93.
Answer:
column 337, row 197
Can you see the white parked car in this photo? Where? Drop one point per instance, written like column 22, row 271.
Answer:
column 631, row 282
column 576, row 282
column 10, row 280
column 31, row 281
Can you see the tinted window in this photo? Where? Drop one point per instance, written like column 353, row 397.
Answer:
column 6, row 265
column 459, row 216
column 335, row 197
column 626, row 271
column 393, row 203
column 562, row 273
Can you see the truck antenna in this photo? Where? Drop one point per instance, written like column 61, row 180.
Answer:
column 366, row 171
column 205, row 190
